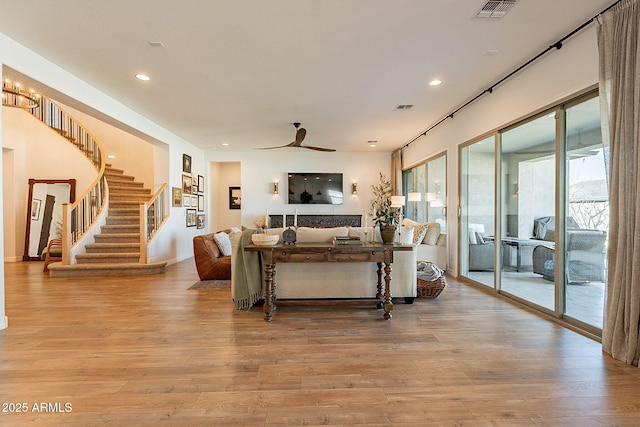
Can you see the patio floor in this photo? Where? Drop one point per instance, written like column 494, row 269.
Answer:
column 584, row 302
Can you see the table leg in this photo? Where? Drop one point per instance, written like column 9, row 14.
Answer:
column 269, row 270
column 379, row 294
column 388, row 304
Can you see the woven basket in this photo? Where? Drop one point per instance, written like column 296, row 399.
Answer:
column 431, row 289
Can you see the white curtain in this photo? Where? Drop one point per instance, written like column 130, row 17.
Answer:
column 396, row 173
column 618, row 44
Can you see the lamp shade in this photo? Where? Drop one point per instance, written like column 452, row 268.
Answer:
column 397, row 201
column 414, row 197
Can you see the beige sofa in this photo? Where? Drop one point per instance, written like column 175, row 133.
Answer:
column 433, row 247
column 339, row 280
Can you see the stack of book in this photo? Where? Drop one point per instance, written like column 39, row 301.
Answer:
column 346, row 240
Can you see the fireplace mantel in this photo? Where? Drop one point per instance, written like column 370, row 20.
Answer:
column 318, row 221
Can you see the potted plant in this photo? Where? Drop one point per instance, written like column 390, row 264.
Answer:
column 384, row 216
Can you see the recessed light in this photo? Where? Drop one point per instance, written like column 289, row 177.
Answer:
column 225, row 144
column 435, row 82
column 143, row 77
column 372, row 144
column 111, row 156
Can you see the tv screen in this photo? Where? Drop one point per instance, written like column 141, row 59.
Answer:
column 315, row 189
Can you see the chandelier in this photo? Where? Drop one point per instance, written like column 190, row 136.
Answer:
column 14, row 95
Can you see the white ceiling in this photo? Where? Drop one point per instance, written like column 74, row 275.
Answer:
column 241, row 72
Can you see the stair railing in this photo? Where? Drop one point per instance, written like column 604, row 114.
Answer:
column 153, row 215
column 78, row 217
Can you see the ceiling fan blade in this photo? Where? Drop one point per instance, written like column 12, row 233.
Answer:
column 317, row 148
column 291, row 144
column 300, row 134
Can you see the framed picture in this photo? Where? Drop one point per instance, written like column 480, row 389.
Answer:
column 191, row 217
column 194, row 189
column 200, row 184
column 200, row 221
column 235, row 198
column 186, row 201
column 194, row 201
column 200, row 202
column 186, row 163
column 187, row 184
column 176, row 197
column 35, row 209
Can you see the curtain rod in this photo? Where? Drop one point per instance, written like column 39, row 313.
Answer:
column 557, row 45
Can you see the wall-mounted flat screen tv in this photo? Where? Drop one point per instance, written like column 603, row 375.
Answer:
column 315, row 189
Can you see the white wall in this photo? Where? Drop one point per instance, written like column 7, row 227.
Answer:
column 260, row 169
column 554, row 77
column 222, row 175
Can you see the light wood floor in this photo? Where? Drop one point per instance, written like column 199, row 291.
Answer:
column 147, row 351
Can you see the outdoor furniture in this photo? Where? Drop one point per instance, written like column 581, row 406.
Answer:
column 585, row 260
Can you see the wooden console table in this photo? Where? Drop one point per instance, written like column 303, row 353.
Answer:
column 328, row 252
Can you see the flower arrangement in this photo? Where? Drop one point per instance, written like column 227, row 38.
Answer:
column 383, row 213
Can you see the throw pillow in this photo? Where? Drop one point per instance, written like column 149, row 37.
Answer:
column 419, row 232
column 480, row 238
column 406, row 235
column 223, row 242
column 433, row 232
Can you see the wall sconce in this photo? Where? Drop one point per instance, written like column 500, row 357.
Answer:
column 414, row 197
column 275, row 187
column 354, row 188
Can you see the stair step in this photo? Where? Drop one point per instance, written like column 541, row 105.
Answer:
column 123, row 197
column 124, row 204
column 117, row 238
column 120, row 228
column 108, row 247
column 117, row 176
column 129, row 189
column 113, row 258
column 124, row 211
column 124, row 185
column 123, row 220
column 56, row 269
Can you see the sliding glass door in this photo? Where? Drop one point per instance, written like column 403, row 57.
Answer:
column 528, row 182
column 430, row 181
column 588, row 210
column 477, row 211
column 546, row 228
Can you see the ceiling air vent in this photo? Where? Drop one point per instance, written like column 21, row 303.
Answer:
column 404, row 107
column 496, row 9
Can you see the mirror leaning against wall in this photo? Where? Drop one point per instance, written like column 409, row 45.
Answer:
column 44, row 213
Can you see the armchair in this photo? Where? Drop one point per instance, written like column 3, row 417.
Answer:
column 585, row 261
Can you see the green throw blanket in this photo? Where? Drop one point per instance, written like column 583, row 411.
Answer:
column 247, row 274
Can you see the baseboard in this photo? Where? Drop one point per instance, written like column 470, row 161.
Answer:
column 13, row 259
column 4, row 323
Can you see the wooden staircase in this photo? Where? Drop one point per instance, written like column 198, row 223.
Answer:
column 116, row 251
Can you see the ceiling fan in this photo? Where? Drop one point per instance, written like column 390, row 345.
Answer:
column 300, row 134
